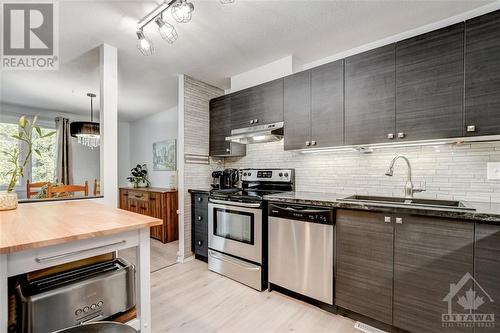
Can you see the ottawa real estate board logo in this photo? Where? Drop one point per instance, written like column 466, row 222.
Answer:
column 30, row 39
column 471, row 298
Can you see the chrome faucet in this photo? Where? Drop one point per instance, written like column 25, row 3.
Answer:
column 409, row 189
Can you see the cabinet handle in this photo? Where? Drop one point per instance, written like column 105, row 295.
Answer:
column 199, row 199
column 387, row 219
column 199, row 242
column 200, row 218
column 152, row 199
column 251, row 121
column 256, row 121
column 390, row 136
column 313, row 143
column 471, row 128
column 401, row 135
column 228, row 150
column 399, row 220
column 133, row 206
column 125, row 194
column 308, row 143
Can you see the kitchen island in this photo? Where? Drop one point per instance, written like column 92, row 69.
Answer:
column 38, row 236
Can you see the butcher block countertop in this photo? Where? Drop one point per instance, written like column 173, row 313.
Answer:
column 37, row 225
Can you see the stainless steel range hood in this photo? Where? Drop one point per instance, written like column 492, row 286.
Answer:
column 257, row 134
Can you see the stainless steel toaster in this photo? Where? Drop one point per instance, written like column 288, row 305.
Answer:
column 82, row 295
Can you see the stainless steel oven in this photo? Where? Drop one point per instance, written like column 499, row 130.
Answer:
column 235, row 240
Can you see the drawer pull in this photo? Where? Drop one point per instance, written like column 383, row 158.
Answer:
column 74, row 253
column 200, row 218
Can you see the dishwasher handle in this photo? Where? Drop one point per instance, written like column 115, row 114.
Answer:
column 301, row 212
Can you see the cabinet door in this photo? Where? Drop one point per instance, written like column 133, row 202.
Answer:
column 263, row 103
column 327, row 104
column 487, row 267
column 482, row 75
column 430, row 254
column 363, row 283
column 430, row 85
column 123, row 199
column 297, row 110
column 370, row 96
column 220, row 128
column 155, row 210
column 199, row 224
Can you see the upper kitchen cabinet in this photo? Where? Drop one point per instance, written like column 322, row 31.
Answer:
column 370, row 96
column 220, row 128
column 314, row 107
column 297, row 110
column 430, row 256
column 430, row 85
column 482, row 75
column 258, row 105
column 327, row 105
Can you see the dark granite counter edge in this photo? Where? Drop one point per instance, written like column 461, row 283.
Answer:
column 455, row 214
column 195, row 190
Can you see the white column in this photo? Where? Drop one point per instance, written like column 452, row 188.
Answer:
column 180, row 166
column 4, row 302
column 109, row 123
column 143, row 274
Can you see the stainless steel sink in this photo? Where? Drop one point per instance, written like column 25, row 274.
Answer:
column 408, row 202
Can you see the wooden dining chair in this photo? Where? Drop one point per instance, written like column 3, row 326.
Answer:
column 51, row 190
column 97, row 188
column 30, row 186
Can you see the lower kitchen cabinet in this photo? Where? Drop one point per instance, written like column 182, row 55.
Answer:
column 364, row 266
column 430, row 254
column 199, row 225
column 487, row 267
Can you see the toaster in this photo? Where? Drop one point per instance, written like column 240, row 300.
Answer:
column 77, row 296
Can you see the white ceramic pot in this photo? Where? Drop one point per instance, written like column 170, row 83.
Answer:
column 142, row 183
column 8, row 200
column 130, row 184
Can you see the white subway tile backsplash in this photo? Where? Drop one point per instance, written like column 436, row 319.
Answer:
column 449, row 172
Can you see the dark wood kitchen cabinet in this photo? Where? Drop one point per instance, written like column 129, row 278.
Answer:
column 297, row 110
column 364, row 267
column 482, row 75
column 370, row 96
column 487, row 270
column 429, row 255
column 314, row 107
column 199, row 225
column 430, row 85
column 259, row 105
column 220, row 128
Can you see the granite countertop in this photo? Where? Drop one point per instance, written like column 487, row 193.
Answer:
column 199, row 190
column 485, row 212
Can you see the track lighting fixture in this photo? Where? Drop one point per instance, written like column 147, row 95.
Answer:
column 166, row 30
column 182, row 12
column 144, row 44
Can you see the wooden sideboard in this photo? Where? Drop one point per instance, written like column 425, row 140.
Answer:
column 156, row 202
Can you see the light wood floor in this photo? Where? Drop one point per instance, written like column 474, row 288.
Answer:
column 162, row 255
column 189, row 298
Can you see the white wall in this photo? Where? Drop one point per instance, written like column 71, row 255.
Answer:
column 141, row 136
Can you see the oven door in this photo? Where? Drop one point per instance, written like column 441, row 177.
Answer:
column 235, row 228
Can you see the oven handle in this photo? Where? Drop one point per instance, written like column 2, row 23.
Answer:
column 234, row 262
column 238, row 204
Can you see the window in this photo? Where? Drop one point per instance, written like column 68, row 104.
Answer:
column 38, row 169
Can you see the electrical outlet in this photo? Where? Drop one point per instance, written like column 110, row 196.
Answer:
column 493, row 170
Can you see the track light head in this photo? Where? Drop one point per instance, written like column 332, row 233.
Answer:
column 182, row 11
column 144, row 44
column 166, row 30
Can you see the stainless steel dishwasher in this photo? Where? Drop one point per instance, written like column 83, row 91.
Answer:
column 301, row 250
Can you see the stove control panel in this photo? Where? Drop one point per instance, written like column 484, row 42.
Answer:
column 269, row 175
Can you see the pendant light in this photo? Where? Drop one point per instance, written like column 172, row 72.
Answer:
column 182, row 11
column 87, row 132
column 144, row 44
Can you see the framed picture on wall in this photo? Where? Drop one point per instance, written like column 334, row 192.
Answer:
column 165, row 155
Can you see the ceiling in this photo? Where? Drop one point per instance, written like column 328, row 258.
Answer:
column 219, row 42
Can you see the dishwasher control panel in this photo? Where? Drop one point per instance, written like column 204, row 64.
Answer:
column 302, row 213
